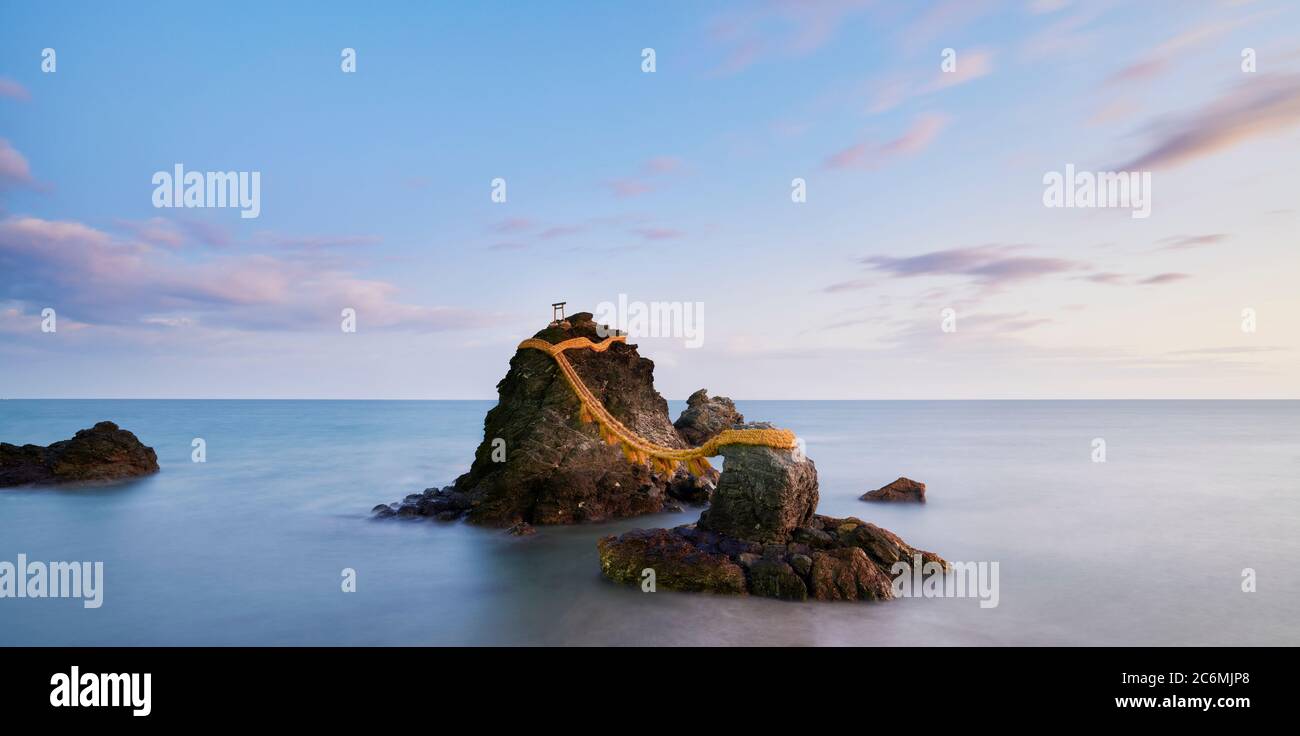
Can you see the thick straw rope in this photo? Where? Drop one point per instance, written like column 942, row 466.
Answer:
column 635, row 448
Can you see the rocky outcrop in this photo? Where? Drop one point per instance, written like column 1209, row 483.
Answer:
column 762, row 536
column 704, row 417
column 539, row 463
column 827, row 559
column 903, row 490
column 763, row 494
column 99, row 454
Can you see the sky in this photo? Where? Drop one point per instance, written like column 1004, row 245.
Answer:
column 923, row 262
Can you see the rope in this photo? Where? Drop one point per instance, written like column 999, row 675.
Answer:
column 638, row 449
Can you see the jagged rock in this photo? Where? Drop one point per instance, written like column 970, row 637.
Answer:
column 704, row 417
column 763, row 495
column 557, row 469
column 902, row 490
column 846, row 574
column 102, row 453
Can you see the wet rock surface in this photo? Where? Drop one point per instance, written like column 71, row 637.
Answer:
column 903, row 490
column 100, row 454
column 704, row 417
column 827, row 559
column 763, row 493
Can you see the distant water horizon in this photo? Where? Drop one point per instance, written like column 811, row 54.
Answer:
column 1148, row 547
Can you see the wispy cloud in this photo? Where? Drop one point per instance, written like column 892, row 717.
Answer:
column 777, row 28
column 988, row 265
column 916, row 138
column 14, row 169
column 1263, row 106
column 1164, row 278
column 13, row 90
column 647, row 179
column 1185, row 242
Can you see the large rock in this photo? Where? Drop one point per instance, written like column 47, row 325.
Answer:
column 847, row 559
column 764, row 494
column 903, row 490
column 704, row 417
column 102, row 453
column 539, row 463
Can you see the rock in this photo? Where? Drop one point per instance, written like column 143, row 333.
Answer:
column 881, row 545
column 677, row 562
column 847, row 574
column 801, row 564
column 99, row 454
column 556, row 469
column 775, row 579
column 522, row 529
column 902, row 490
column 383, row 511
column 763, row 495
column 693, row 490
column 704, row 417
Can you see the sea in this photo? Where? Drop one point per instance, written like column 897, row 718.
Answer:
column 1110, row 523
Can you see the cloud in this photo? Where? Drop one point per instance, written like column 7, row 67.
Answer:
column 917, row 138
column 777, row 28
column 316, row 242
column 640, row 183
column 1265, row 105
column 971, row 65
column 1164, row 278
column 98, row 278
column 1107, row 277
column 1184, row 242
column 13, row 90
column 844, row 286
column 659, row 233
column 514, row 225
column 989, row 265
column 560, row 231
column 13, row 166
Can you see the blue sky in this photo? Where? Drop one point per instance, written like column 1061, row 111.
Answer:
column 924, row 193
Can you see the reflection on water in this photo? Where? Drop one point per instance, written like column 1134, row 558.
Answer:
column 248, row 548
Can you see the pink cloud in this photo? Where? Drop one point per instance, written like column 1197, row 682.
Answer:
column 1263, row 106
column 100, row 279
column 14, row 169
column 13, row 90
column 915, row 139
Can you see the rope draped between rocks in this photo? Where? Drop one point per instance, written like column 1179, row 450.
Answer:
column 638, row 449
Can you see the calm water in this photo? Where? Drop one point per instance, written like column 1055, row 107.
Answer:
column 1147, row 548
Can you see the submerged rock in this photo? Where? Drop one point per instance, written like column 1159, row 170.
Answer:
column 903, row 490
column 99, row 454
column 704, row 417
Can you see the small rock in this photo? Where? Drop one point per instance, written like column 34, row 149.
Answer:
column 704, row 417
column 903, row 490
column 383, row 511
